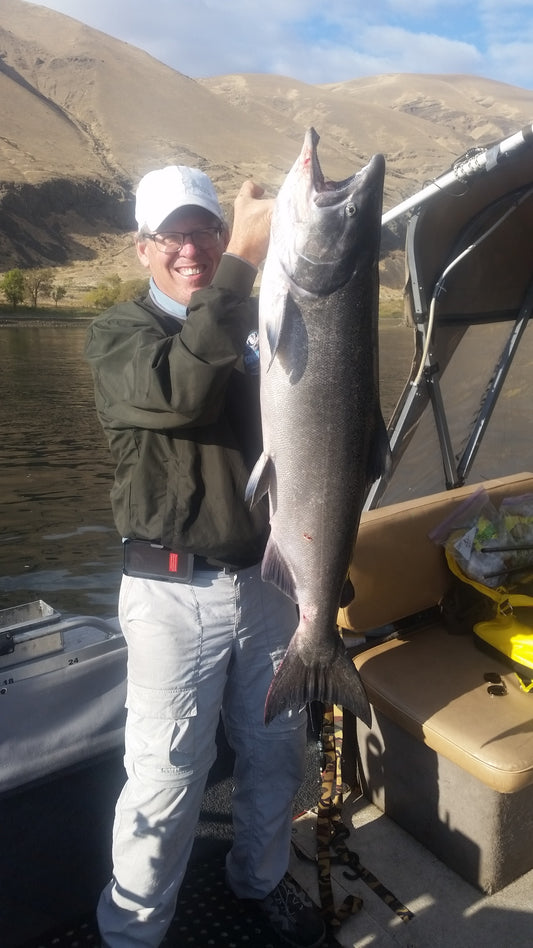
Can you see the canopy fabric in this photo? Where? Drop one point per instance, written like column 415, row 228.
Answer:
column 469, row 294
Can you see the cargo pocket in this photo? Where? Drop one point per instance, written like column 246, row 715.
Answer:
column 160, row 733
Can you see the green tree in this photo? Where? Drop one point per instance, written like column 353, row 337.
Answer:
column 12, row 285
column 115, row 290
column 130, row 289
column 38, row 283
column 104, row 295
column 57, row 293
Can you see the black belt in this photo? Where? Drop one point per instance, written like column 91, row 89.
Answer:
column 151, row 560
column 201, row 562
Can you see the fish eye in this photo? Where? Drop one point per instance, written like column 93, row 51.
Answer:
column 350, row 210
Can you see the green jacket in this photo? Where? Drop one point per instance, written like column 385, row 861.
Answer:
column 182, row 419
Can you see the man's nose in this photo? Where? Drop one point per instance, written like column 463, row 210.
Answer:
column 188, row 247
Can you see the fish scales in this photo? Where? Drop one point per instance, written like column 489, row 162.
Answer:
column 324, row 438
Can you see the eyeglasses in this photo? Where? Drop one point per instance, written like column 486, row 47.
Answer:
column 204, row 239
column 497, row 686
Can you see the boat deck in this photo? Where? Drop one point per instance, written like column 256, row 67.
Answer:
column 446, row 912
column 55, row 859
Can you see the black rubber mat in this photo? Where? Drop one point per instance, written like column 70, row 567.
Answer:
column 52, row 869
column 208, row 916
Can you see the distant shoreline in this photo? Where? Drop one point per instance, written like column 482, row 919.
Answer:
column 71, row 322
column 35, row 322
column 42, row 318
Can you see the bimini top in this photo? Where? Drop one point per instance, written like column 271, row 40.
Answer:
column 465, row 413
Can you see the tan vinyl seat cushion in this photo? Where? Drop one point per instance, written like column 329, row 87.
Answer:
column 431, row 684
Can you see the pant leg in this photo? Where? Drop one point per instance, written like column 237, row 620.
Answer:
column 270, row 761
column 179, row 641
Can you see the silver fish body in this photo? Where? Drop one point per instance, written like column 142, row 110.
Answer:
column 324, row 439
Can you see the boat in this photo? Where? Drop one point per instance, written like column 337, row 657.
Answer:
column 431, row 814
column 62, row 691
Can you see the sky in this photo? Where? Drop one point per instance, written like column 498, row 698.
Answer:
column 326, row 41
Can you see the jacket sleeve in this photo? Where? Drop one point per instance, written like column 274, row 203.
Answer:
column 146, row 378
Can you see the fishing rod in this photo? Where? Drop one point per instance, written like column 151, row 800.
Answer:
column 474, row 162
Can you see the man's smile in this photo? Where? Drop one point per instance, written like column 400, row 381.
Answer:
column 191, row 271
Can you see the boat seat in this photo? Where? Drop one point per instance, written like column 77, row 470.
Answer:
column 445, row 759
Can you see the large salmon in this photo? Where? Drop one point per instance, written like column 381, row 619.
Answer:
column 325, row 441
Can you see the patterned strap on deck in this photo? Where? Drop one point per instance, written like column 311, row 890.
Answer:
column 332, row 833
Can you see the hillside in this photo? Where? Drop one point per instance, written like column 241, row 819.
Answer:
column 85, row 115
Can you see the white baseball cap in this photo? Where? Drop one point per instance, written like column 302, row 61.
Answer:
column 166, row 190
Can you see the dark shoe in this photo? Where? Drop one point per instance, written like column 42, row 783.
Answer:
column 292, row 915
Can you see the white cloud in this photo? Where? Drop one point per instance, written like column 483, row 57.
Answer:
column 423, row 9
column 506, row 19
column 512, row 63
column 422, row 52
column 317, row 42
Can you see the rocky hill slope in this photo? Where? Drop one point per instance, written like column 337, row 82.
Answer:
column 85, row 115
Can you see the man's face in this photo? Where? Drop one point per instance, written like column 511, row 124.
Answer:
column 180, row 273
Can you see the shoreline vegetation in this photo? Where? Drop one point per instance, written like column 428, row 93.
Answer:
column 32, row 297
column 390, row 312
column 44, row 315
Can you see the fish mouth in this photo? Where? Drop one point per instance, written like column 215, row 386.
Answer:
column 310, row 156
column 323, row 226
column 327, row 192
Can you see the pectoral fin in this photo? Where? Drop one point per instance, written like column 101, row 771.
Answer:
column 274, row 325
column 260, row 479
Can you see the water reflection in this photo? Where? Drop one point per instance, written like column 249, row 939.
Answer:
column 57, row 538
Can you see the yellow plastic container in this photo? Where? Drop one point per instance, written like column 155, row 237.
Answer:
column 510, row 632
column 511, row 637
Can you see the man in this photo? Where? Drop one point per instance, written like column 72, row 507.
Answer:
column 176, row 387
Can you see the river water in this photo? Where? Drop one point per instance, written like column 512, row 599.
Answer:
column 57, row 537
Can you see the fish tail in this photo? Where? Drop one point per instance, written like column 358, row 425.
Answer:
column 337, row 682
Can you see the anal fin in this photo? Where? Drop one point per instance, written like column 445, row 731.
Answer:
column 274, row 570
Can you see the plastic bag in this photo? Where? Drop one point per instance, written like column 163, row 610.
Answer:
column 467, row 532
column 492, row 546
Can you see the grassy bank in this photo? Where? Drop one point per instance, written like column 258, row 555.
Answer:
column 48, row 314
column 391, row 309
column 388, row 309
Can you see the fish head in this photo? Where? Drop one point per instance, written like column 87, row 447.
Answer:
column 321, row 230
